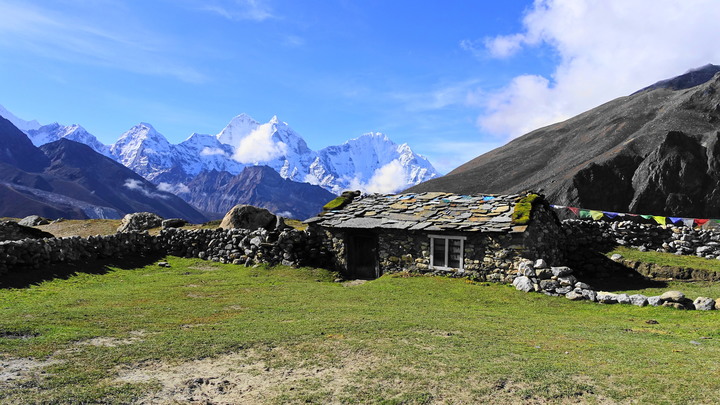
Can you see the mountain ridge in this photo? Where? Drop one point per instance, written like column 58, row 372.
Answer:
column 637, row 153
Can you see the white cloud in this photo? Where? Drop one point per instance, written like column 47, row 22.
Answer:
column 255, row 10
column 606, row 49
column 173, row 188
column 77, row 35
column 137, row 185
column 388, row 179
column 208, row 151
column 259, row 146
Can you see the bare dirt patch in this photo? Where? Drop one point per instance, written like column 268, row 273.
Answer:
column 103, row 341
column 250, row 376
column 22, row 369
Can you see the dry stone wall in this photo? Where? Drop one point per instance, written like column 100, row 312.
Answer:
column 239, row 246
column 679, row 240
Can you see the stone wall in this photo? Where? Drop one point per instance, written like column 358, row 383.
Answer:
column 37, row 253
column 240, row 246
column 679, row 240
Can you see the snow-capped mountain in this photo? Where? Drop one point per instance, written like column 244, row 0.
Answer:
column 19, row 123
column 371, row 162
column 53, row 132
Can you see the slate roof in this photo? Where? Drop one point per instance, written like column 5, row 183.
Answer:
column 425, row 211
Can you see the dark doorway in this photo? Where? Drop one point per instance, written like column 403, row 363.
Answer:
column 362, row 256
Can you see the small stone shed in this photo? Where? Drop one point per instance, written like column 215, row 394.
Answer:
column 478, row 236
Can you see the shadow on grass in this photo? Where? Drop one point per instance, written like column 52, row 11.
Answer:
column 24, row 277
column 604, row 274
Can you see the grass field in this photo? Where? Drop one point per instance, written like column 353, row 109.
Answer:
column 667, row 259
column 202, row 331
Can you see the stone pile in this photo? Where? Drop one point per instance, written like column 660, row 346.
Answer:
column 37, row 253
column 679, row 240
column 560, row 281
column 11, row 230
column 289, row 247
column 139, row 221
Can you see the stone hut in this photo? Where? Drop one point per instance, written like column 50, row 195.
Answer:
column 483, row 237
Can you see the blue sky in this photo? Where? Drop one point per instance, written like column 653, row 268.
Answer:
column 453, row 79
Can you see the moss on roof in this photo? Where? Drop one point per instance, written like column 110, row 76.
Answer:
column 523, row 209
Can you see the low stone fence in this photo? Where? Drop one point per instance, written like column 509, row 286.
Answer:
column 239, row 246
column 37, row 253
column 289, row 247
column 679, row 240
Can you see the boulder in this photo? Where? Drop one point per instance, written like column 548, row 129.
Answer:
column 249, row 217
column 173, row 223
column 589, row 295
column 574, row 296
column 623, row 299
column 543, row 274
column 540, row 264
column 569, row 280
column 523, row 283
column 11, row 230
column 606, row 297
column 526, row 269
column 616, row 257
column 672, row 296
column 549, row 285
column 139, row 221
column 639, row 300
column 561, row 271
column 655, row 301
column 582, row 286
column 33, row 220
column 704, row 304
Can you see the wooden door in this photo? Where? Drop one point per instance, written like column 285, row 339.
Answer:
column 362, row 260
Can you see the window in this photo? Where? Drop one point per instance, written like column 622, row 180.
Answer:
column 446, row 252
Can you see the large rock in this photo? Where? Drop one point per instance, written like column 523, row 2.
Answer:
column 604, row 297
column 704, row 304
column 11, row 230
column 249, row 217
column 524, row 284
column 139, row 221
column 672, row 296
column 561, row 271
column 639, row 300
column 33, row 220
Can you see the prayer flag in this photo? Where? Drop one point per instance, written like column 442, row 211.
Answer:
column 689, row 222
column 585, row 214
column 675, row 220
column 596, row 215
column 660, row 220
column 647, row 216
column 700, row 222
column 610, row 215
column 575, row 211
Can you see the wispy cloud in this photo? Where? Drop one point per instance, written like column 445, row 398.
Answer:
column 255, row 10
column 441, row 97
column 64, row 35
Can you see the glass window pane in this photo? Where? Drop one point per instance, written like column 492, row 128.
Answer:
column 439, row 252
column 455, row 253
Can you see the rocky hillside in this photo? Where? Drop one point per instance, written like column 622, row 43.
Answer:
column 217, row 192
column 655, row 151
column 69, row 179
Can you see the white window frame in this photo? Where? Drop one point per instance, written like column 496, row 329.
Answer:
column 446, row 239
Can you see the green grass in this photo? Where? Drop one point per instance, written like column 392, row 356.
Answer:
column 667, row 259
column 394, row 340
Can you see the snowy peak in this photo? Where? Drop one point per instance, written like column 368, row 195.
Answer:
column 238, row 128
column 19, row 123
column 54, row 132
column 143, row 150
